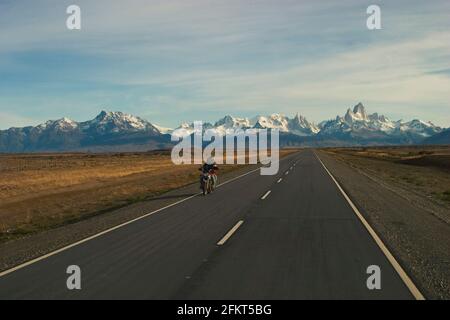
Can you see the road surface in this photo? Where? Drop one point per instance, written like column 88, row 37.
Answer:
column 289, row 236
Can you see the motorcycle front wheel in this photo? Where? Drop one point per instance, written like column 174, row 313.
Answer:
column 210, row 185
column 206, row 187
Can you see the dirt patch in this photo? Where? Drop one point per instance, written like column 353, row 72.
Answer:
column 436, row 161
column 423, row 172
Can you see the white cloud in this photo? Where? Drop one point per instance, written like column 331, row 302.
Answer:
column 385, row 76
column 205, row 57
column 7, row 118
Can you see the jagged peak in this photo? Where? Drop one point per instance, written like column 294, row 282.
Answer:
column 357, row 114
column 231, row 121
column 359, row 108
column 105, row 113
column 300, row 117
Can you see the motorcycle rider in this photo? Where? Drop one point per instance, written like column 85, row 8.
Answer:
column 210, row 167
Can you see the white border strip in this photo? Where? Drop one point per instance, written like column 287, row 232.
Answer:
column 406, row 279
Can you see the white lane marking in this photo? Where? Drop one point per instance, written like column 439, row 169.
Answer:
column 279, row 180
column 230, row 233
column 406, row 279
column 266, row 195
column 286, row 173
column 290, row 168
column 25, row 264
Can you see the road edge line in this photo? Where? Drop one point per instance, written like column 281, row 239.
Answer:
column 397, row 267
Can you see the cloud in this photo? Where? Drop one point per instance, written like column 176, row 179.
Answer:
column 187, row 59
column 386, row 76
column 6, row 119
column 445, row 72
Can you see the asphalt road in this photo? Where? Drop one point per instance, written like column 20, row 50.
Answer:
column 301, row 240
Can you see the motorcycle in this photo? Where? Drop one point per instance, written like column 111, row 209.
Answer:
column 208, row 182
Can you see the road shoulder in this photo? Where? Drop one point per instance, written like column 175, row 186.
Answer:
column 419, row 240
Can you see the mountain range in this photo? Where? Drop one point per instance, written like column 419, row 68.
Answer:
column 109, row 131
column 117, row 131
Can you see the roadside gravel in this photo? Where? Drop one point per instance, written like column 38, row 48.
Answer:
column 418, row 238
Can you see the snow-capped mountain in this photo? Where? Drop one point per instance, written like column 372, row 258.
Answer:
column 357, row 120
column 116, row 122
column 274, row 121
column 419, row 127
column 106, row 129
column 163, row 130
column 359, row 127
column 118, row 131
column 228, row 124
column 302, row 127
column 63, row 124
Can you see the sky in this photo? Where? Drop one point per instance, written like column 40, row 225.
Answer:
column 170, row 61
